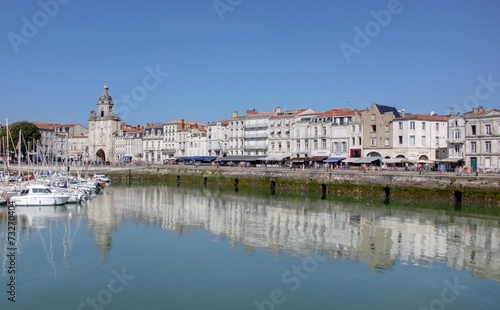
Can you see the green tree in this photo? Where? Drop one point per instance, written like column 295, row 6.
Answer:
column 29, row 133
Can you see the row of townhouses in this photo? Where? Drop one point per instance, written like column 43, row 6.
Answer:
column 471, row 139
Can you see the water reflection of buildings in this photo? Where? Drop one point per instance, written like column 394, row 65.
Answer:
column 37, row 223
column 376, row 236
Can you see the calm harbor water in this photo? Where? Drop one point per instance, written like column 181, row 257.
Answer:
column 201, row 248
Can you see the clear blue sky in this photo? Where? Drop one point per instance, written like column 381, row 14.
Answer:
column 260, row 54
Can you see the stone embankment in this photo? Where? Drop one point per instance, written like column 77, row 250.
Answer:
column 479, row 189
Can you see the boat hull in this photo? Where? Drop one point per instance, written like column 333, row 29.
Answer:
column 39, row 200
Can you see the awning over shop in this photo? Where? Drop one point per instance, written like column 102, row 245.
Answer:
column 333, row 159
column 423, row 161
column 273, row 158
column 395, row 160
column 238, row 158
column 450, row 160
column 198, row 158
column 362, row 160
column 316, row 158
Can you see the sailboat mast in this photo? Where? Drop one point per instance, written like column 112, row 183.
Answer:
column 19, row 154
column 7, row 135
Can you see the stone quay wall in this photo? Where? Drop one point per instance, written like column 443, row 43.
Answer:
column 481, row 189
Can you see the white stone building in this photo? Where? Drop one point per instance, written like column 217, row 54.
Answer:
column 236, row 134
column 301, row 135
column 152, row 143
column 217, row 138
column 56, row 141
column 418, row 137
column 193, row 140
column 280, row 133
column 255, row 142
column 482, row 140
column 456, row 138
column 127, row 143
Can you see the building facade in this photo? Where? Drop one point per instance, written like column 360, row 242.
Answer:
column 482, row 140
column 377, row 130
column 103, row 123
column 419, row 137
column 127, row 143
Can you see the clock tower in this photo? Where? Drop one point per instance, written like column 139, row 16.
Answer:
column 102, row 124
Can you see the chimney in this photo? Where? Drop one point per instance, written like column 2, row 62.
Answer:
column 234, row 114
column 277, row 110
column 182, row 124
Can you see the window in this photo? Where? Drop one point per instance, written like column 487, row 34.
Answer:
column 473, row 147
column 307, row 144
column 353, row 141
column 488, row 146
column 272, row 146
column 412, row 140
column 344, row 147
column 324, row 131
column 387, row 129
column 487, row 162
column 437, row 126
column 424, row 138
column 487, row 129
column 288, row 145
column 457, row 134
column 386, row 141
column 298, row 145
column 373, row 117
column 323, row 144
column 373, row 142
column 353, row 128
column 423, row 125
column 279, row 146
column 400, row 125
column 412, row 125
column 374, row 128
column 336, row 147
column 457, row 150
column 359, row 140
column 473, row 130
column 360, row 128
column 400, row 139
column 315, row 131
column 437, row 140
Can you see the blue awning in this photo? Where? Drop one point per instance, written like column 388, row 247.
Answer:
column 333, row 159
column 205, row 159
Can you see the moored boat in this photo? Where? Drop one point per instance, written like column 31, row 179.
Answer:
column 39, row 195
